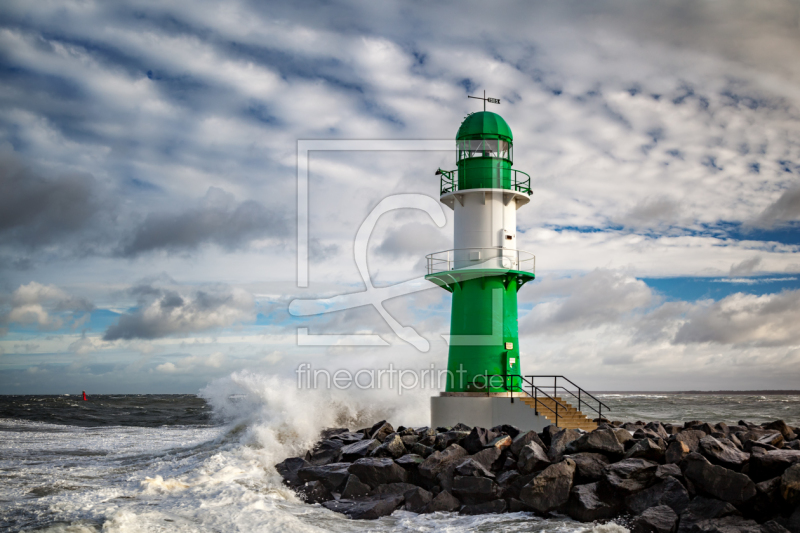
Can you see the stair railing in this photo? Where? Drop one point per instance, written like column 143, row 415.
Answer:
column 534, row 393
column 580, row 396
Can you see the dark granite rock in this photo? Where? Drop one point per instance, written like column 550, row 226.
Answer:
column 702, row 508
column 660, row 519
column 325, row 452
column 548, row 433
column 523, row 439
column 690, row 437
column 348, row 437
column 395, row 489
column 359, row 449
column 330, row 432
column 782, row 428
column 392, row 447
column 437, row 462
column 314, row 492
column 410, row 461
column 417, row 500
column 488, row 457
column 676, row 452
column 790, row 485
column 422, row 450
column 623, row 436
column 353, row 488
column 508, row 429
column 376, row 471
column 728, row 524
column 646, row 449
column 587, row 504
column 559, row 443
column 478, row 439
column 409, row 440
column 532, row 458
column 448, row 438
column 793, row 524
column 518, row 506
column 588, row 466
column 381, row 430
column 669, row 470
column 598, row 441
column 443, row 502
column 494, row 506
column 629, row 475
column 769, row 464
column 722, row 452
column 470, row 467
column 718, row 481
column 471, row 489
column 332, row 475
column 772, row 526
column 669, row 492
column 288, row 470
column 550, row 489
column 369, row 509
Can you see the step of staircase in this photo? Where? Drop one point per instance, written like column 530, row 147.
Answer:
column 569, row 418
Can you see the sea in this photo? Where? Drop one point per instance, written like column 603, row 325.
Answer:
column 205, row 462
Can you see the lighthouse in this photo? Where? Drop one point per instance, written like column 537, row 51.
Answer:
column 484, row 272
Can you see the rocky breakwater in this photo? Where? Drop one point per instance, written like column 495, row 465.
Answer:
column 663, row 478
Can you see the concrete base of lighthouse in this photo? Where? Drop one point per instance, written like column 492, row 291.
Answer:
column 485, row 410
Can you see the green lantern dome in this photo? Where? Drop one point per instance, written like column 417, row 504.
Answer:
column 484, row 124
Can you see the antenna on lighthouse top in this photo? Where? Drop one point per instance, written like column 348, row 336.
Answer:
column 490, row 100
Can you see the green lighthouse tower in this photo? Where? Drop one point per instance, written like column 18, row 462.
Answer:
column 484, row 270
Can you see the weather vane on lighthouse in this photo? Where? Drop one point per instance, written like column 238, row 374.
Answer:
column 490, row 99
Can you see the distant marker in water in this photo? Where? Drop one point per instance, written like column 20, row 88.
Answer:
column 84, row 396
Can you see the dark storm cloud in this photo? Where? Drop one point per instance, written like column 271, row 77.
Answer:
column 165, row 312
column 35, row 211
column 219, row 219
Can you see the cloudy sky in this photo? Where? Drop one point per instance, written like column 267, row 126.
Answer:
column 149, row 182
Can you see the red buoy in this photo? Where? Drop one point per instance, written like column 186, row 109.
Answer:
column 84, row 396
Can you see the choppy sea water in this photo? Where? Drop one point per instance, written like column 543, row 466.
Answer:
column 147, row 463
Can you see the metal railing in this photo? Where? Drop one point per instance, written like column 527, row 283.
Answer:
column 488, row 257
column 449, row 180
column 536, row 391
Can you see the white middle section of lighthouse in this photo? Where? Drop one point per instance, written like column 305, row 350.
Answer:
column 485, row 233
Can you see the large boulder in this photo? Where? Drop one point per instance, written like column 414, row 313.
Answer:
column 471, row 467
column 443, row 502
column 422, row 450
column 669, row 492
column 369, row 509
column 588, row 466
column 448, row 438
column 488, row 457
column 478, row 439
column 508, row 429
column 325, row 452
column 348, row 437
column 354, row 489
column 559, row 442
column 392, row 447
column 782, row 428
column 399, row 489
column 598, row 441
column 629, row 475
column 381, row 430
column 701, row 509
column 471, row 489
column 587, row 503
column 690, row 437
column 769, row 464
column 332, row 476
column 492, row 507
column 722, row 452
column 288, row 470
column 375, row 471
column 550, row 489
column 646, row 449
column 532, row 458
column 523, row 439
column 438, row 461
column 417, row 500
column 660, row 519
column 314, row 492
column 790, row 485
column 676, row 452
column 718, row 481
column 359, row 449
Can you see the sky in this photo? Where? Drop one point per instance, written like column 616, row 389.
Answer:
column 149, row 187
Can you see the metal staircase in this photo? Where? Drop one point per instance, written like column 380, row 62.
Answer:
column 553, row 406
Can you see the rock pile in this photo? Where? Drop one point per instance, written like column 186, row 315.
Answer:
column 666, row 478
